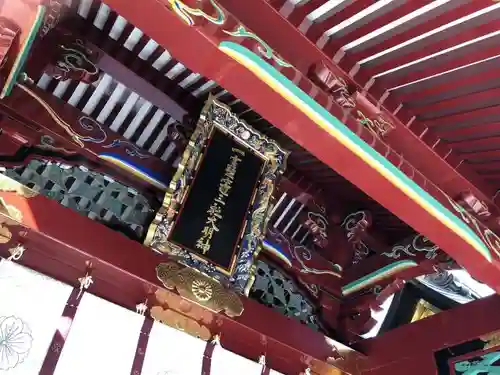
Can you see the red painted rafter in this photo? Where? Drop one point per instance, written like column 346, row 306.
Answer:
column 317, row 29
column 413, row 73
column 277, row 4
column 482, row 130
column 407, row 7
column 417, row 30
column 480, row 143
column 457, row 103
column 488, row 167
column 434, row 46
column 301, row 11
column 481, row 155
column 448, row 86
column 462, row 117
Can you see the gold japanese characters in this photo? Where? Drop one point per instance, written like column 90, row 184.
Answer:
column 214, row 214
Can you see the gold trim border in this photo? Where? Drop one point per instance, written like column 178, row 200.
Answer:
column 216, row 115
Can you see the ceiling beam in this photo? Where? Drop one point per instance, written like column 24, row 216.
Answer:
column 430, row 46
column 473, row 117
column 317, row 29
column 351, row 58
column 366, row 27
column 459, row 103
column 474, row 131
column 442, row 64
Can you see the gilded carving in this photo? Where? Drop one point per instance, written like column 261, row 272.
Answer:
column 492, row 340
column 377, row 126
column 201, row 289
column 9, row 185
column 9, row 215
column 217, row 115
column 180, row 322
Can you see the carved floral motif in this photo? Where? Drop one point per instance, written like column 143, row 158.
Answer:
column 199, row 288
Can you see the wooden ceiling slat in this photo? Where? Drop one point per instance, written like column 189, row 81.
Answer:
column 277, row 4
column 432, row 46
column 301, row 11
column 474, row 117
column 420, row 29
column 488, row 143
column 468, row 55
column 459, row 104
column 319, row 28
column 108, row 25
column 478, row 157
column 464, row 78
column 470, row 131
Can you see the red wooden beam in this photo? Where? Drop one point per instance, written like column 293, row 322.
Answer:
column 485, row 143
column 480, row 155
column 474, row 131
column 301, row 11
column 39, row 113
column 428, row 336
column 124, row 273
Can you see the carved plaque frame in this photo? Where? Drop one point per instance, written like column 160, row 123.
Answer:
column 216, row 115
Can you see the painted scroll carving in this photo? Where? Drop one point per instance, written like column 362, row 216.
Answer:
column 419, row 244
column 317, row 224
column 74, row 60
column 55, row 11
column 355, row 225
column 335, row 85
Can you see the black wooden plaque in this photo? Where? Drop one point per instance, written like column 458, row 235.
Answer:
column 204, row 189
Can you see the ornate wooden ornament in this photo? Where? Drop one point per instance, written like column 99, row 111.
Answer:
column 492, row 340
column 181, row 322
column 10, row 215
column 9, row 185
column 224, row 183
column 201, row 289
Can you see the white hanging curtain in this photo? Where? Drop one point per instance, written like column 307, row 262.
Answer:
column 31, row 305
column 102, row 341
column 171, row 352
column 225, row 362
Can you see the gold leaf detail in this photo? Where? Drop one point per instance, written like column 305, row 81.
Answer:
column 199, row 288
